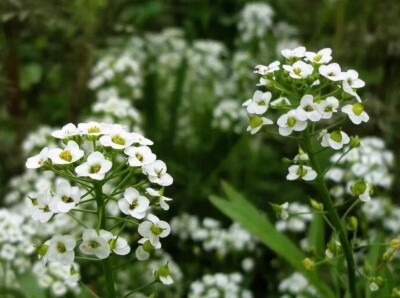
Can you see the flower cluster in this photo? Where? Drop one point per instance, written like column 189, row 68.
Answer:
column 103, row 164
column 293, row 217
column 219, row 285
column 303, row 93
column 210, row 233
column 255, row 21
column 228, row 116
column 296, row 285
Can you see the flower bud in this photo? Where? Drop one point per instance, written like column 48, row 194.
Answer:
column 308, row 264
column 42, row 250
column 395, row 292
column 354, row 142
column 395, row 243
column 352, row 223
column 163, row 271
column 388, row 256
column 316, row 205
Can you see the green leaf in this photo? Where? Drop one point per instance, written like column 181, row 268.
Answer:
column 316, row 234
column 30, row 287
column 250, row 218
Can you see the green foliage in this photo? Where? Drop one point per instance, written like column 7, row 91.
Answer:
column 242, row 211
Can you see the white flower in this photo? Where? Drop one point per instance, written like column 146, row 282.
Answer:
column 263, row 69
column 37, row 161
column 323, row 56
column 70, row 154
column 259, row 104
column 308, row 109
column 373, row 287
column 365, row 196
column 301, row 172
column 256, row 123
column 298, row 52
column 351, row 82
column 154, row 229
column 95, row 167
column 356, row 113
column 91, row 128
column 335, row 139
column 40, row 209
column 290, row 122
column 283, row 212
column 328, row 106
column 117, row 244
column 133, row 203
column 332, row 72
column 163, row 275
column 67, row 131
column 299, row 70
column 139, row 156
column 143, row 251
column 117, row 139
column 157, row 173
column 61, row 249
column 66, row 197
column 158, row 194
column 94, row 244
column 141, row 140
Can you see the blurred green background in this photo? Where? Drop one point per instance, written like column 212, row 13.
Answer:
column 49, row 49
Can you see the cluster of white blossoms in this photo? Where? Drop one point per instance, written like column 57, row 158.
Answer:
column 210, row 233
column 228, row 116
column 306, row 91
column 96, row 157
column 36, row 139
column 256, row 19
column 292, row 217
column 296, row 285
column 112, row 70
column 371, row 164
column 111, row 107
column 57, row 277
column 219, row 285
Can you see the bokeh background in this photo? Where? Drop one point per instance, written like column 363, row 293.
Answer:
column 179, row 71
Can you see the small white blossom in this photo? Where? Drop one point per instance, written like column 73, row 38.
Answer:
column 263, row 69
column 117, row 244
column 332, row 72
column 256, row 123
column 37, row 161
column 158, row 194
column 259, row 103
column 94, row 244
column 336, row 139
column 139, row 156
column 95, row 167
column 40, row 209
column 157, row 173
column 322, row 57
column 308, row 109
column 61, row 249
column 301, row 172
column 328, row 106
column 133, row 203
column 91, row 128
column 299, row 70
column 356, row 113
column 70, row 154
column 65, row 198
column 67, row 131
column 117, row 139
column 298, row 52
column 290, row 122
column 145, row 249
column 154, row 229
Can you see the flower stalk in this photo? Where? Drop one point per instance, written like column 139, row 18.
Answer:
column 332, row 213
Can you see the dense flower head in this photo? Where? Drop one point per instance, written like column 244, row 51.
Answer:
column 107, row 166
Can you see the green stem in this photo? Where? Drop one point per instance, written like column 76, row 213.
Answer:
column 139, row 288
column 332, row 214
column 109, row 278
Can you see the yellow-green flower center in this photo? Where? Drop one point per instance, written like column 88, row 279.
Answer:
column 291, row 121
column 297, row 70
column 255, row 122
column 94, row 129
column 61, row 247
column 317, row 57
column 118, row 140
column 156, row 230
column 336, row 136
column 95, row 168
column 133, row 205
column 358, row 108
column 66, row 155
column 94, row 244
column 66, row 199
column 139, row 157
